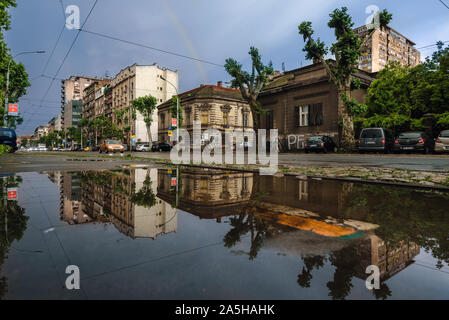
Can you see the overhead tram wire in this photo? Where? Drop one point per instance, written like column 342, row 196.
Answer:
column 444, row 4
column 67, row 54
column 150, row 47
column 57, row 40
column 431, row 45
column 70, row 49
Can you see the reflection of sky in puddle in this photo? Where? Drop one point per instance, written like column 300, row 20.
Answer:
column 233, row 236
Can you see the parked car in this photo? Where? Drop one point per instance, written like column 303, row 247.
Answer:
column 143, row 147
column 414, row 142
column 8, row 137
column 164, row 146
column 376, row 140
column 111, row 146
column 155, row 146
column 442, row 142
column 75, row 148
column 320, row 144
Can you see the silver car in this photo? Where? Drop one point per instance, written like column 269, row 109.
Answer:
column 442, row 142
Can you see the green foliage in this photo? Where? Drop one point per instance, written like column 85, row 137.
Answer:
column 146, row 106
column 4, row 149
column 250, row 84
column 145, row 197
column 18, row 76
column 347, row 51
column 401, row 97
column 173, row 113
column 353, row 106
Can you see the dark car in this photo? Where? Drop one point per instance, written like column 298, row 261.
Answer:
column 376, row 140
column 320, row 144
column 155, row 146
column 163, row 146
column 8, row 137
column 414, row 142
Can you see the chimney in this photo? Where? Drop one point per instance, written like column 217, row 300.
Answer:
column 220, row 84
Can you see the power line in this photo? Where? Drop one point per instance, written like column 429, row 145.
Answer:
column 431, row 45
column 67, row 54
column 57, row 40
column 444, row 4
column 151, row 48
column 70, row 49
column 54, row 48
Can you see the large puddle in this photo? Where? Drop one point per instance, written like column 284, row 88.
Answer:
column 145, row 233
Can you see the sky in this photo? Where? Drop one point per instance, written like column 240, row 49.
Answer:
column 208, row 30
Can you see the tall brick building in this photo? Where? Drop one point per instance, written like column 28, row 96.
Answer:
column 383, row 46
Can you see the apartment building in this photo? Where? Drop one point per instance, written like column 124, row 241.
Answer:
column 58, row 122
column 109, row 197
column 73, row 114
column 72, row 89
column 215, row 106
column 93, row 104
column 383, row 46
column 137, row 81
column 108, row 102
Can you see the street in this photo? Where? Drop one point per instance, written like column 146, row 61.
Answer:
column 42, row 161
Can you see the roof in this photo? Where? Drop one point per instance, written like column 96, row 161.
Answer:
column 395, row 31
column 210, row 91
column 287, row 78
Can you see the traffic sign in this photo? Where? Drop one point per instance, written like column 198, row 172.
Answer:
column 173, row 182
column 12, row 193
column 170, row 133
column 13, row 110
column 174, row 122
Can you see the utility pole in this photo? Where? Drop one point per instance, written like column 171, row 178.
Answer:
column 177, row 108
column 7, row 82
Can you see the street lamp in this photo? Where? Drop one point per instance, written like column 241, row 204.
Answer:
column 7, row 79
column 177, row 108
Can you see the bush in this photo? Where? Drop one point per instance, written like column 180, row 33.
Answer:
column 4, row 149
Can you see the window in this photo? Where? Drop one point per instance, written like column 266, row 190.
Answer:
column 245, row 119
column 162, row 119
column 270, row 120
column 204, row 186
column 309, row 115
column 226, row 118
column 204, row 117
column 303, row 116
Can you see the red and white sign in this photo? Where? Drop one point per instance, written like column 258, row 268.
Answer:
column 173, row 182
column 12, row 193
column 13, row 110
column 174, row 122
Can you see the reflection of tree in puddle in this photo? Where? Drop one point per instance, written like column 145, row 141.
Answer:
column 13, row 224
column 127, row 199
column 405, row 216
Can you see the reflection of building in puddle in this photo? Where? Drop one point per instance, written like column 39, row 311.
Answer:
column 70, row 198
column 125, row 198
column 390, row 259
column 208, row 194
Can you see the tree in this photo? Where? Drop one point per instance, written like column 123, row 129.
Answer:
column 146, row 106
column 401, row 98
column 347, row 53
column 251, row 85
column 176, row 110
column 18, row 76
column 83, row 124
